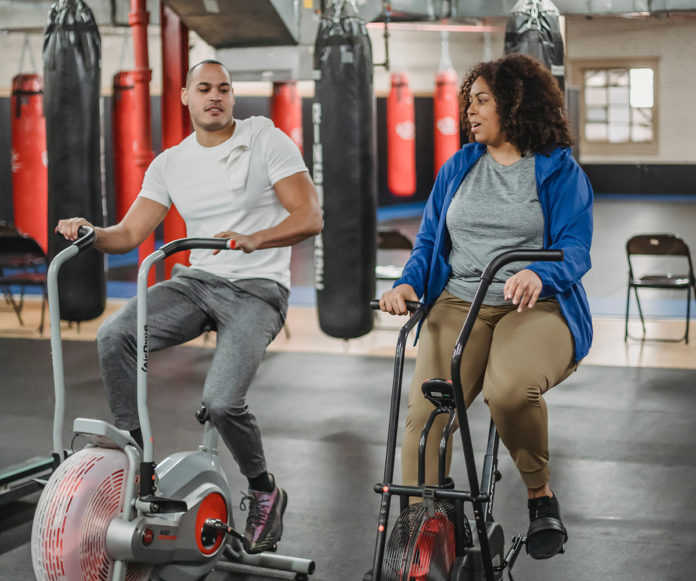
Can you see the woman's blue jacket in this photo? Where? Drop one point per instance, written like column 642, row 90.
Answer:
column 565, row 195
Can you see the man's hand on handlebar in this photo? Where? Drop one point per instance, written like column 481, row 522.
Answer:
column 242, row 242
column 523, row 289
column 394, row 301
column 68, row 228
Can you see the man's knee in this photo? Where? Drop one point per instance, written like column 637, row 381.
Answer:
column 221, row 412
column 115, row 334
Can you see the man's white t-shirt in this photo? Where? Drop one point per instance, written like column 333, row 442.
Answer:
column 229, row 187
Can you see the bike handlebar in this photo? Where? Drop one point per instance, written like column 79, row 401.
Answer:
column 197, row 244
column 87, row 236
column 519, row 256
column 412, row 306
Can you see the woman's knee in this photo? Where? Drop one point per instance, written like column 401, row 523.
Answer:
column 511, row 396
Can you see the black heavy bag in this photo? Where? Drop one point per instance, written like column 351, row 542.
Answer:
column 533, row 29
column 344, row 172
column 72, row 79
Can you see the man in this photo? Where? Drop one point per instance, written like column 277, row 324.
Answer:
column 241, row 180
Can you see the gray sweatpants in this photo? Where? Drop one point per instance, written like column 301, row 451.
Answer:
column 247, row 315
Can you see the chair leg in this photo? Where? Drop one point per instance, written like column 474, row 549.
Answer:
column 17, row 306
column 688, row 313
column 6, row 292
column 640, row 310
column 44, row 302
column 628, row 302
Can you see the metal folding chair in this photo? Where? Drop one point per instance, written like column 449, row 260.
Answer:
column 22, row 264
column 664, row 246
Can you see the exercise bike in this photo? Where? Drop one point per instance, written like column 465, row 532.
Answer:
column 108, row 512
column 434, row 540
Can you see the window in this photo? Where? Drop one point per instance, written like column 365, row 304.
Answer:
column 619, row 104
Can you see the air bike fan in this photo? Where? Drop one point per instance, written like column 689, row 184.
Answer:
column 421, row 545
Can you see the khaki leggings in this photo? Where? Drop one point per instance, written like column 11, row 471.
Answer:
column 513, row 358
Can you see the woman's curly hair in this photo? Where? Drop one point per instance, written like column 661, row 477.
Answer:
column 528, row 99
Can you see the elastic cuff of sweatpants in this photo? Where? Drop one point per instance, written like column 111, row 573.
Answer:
column 536, row 479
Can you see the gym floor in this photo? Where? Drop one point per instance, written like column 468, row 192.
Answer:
column 621, row 429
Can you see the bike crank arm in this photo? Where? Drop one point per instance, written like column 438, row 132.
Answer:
column 513, row 552
column 216, row 525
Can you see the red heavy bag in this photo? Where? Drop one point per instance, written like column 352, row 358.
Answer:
column 29, row 174
column 446, row 140
column 175, row 120
column 125, row 132
column 128, row 170
column 286, row 110
column 401, row 138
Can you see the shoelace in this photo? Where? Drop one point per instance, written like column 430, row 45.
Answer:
column 544, row 508
column 258, row 511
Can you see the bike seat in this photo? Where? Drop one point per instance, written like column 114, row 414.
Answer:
column 439, row 393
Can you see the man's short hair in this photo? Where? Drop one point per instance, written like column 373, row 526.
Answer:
column 189, row 74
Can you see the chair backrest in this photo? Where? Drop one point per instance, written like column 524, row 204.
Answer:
column 19, row 246
column 664, row 245
column 657, row 244
column 393, row 240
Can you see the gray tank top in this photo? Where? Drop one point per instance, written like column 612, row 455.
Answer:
column 495, row 209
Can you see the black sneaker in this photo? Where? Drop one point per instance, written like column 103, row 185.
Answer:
column 264, row 525
column 546, row 535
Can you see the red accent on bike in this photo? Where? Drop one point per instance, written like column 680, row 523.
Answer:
column 212, row 507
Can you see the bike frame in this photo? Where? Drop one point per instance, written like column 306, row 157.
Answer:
column 480, row 496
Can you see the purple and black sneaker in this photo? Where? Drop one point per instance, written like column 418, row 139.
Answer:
column 264, row 525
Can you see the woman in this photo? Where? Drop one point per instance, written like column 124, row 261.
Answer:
column 516, row 186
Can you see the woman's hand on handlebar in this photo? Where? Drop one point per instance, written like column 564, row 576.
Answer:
column 394, row 301
column 68, row 228
column 523, row 289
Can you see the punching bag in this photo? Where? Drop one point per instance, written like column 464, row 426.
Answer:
column 534, row 30
column 29, row 179
column 72, row 74
column 175, row 119
column 128, row 174
column 446, row 140
column 286, row 110
column 343, row 156
column 124, row 133
column 401, row 137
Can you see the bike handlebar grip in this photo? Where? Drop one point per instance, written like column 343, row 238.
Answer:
column 87, row 236
column 198, row 243
column 412, row 306
column 520, row 256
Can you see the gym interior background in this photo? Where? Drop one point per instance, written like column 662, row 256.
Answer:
column 622, row 429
